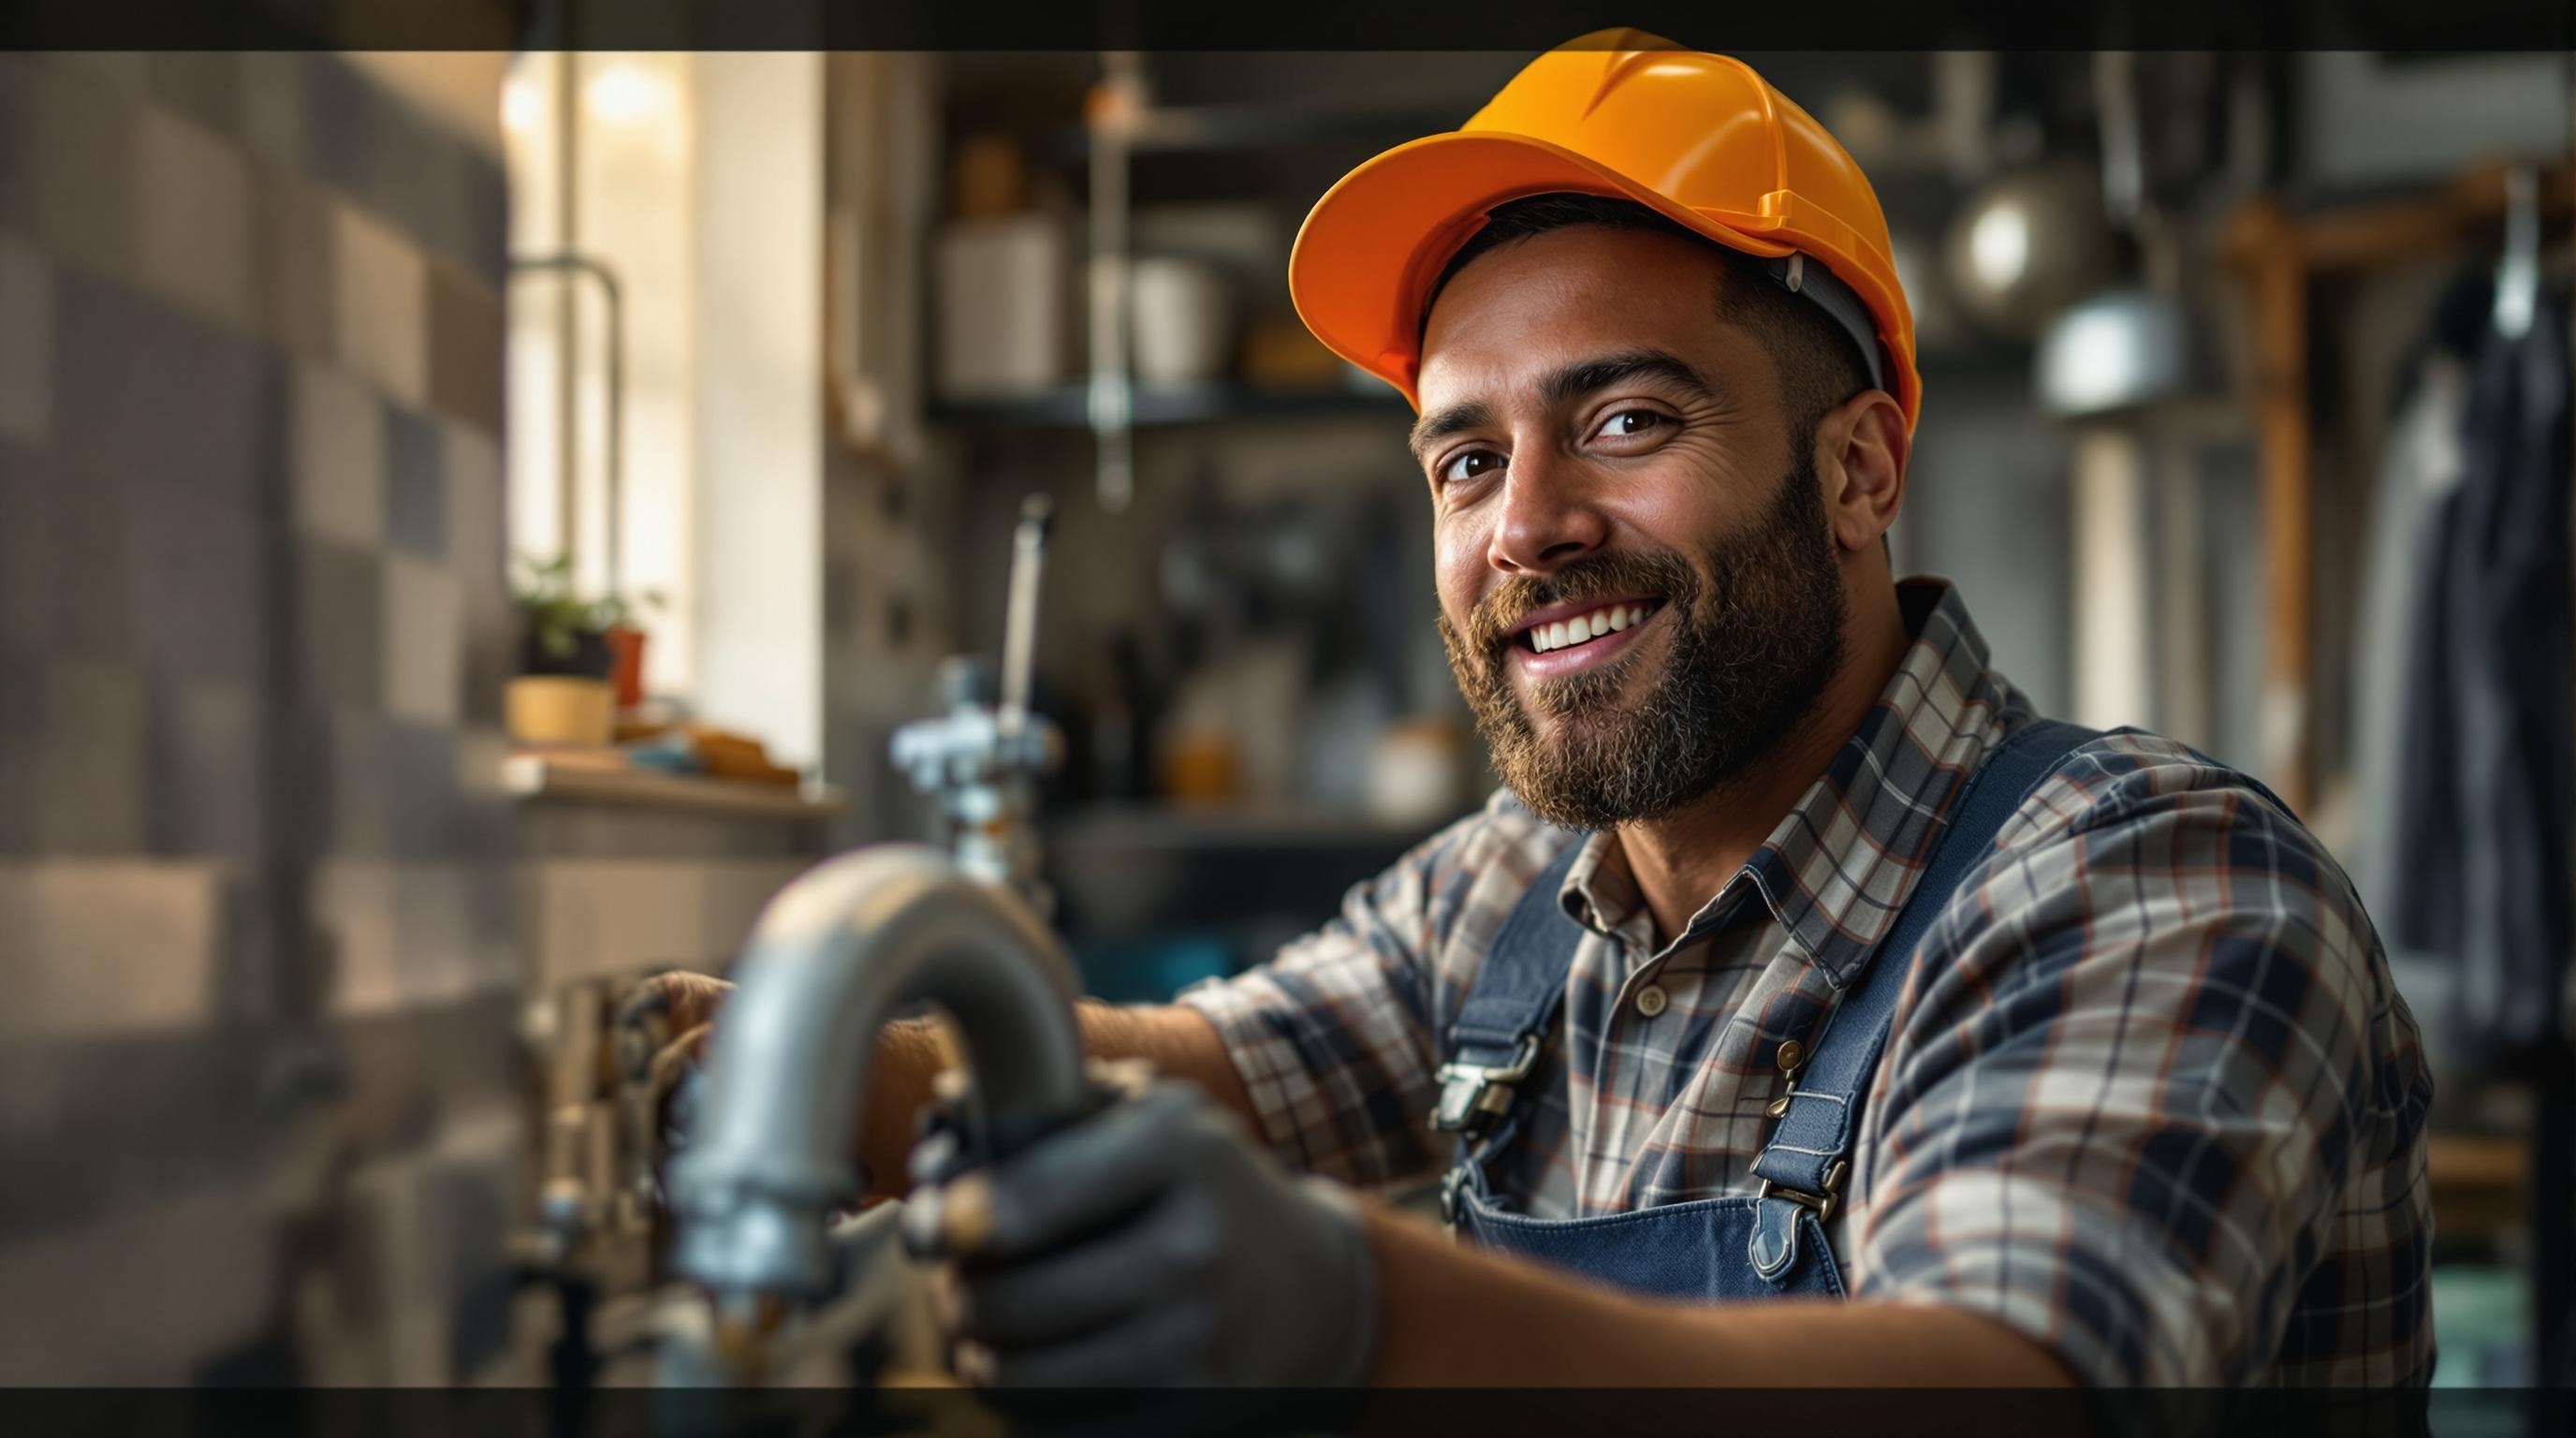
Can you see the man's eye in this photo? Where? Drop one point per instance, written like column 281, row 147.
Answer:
column 1473, row 463
column 1630, row 422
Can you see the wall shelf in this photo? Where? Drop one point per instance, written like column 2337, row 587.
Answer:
column 537, row 777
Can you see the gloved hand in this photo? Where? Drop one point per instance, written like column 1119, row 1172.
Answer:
column 1150, row 1244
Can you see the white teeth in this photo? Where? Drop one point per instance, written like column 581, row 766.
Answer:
column 1584, row 627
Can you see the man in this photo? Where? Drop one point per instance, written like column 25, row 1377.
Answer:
column 1797, row 961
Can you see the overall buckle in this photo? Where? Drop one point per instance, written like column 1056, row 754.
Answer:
column 1823, row 1203
column 1473, row 1096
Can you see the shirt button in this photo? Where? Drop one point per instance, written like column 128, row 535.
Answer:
column 1792, row 1053
column 1652, row 1000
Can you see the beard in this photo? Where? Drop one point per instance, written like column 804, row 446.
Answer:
column 1755, row 633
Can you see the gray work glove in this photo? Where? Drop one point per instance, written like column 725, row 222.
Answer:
column 1149, row 1244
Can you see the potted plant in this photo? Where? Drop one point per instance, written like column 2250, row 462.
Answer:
column 625, row 644
column 568, row 654
column 561, row 634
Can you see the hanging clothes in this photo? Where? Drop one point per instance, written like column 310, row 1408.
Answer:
column 2400, row 807
column 2486, row 797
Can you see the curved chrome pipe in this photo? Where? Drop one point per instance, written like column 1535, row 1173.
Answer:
column 835, row 954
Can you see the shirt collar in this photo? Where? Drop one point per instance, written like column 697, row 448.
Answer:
column 1839, row 866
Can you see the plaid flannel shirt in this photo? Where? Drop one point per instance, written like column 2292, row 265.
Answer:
column 2150, row 1097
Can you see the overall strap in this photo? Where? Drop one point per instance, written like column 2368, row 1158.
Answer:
column 1803, row 1167
column 1509, row 1007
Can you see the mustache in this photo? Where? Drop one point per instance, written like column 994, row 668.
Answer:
column 1496, row 617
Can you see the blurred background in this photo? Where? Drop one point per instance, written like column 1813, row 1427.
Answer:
column 471, row 525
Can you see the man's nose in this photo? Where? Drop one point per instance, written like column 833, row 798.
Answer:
column 1548, row 517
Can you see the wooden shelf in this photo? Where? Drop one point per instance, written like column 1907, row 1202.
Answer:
column 535, row 777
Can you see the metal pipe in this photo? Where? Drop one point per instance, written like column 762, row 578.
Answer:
column 836, row 954
column 567, row 297
column 1020, row 615
column 569, row 263
column 1115, row 104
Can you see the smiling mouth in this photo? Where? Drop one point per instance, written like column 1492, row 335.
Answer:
column 1581, row 629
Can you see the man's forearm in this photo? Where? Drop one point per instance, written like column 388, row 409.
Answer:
column 1176, row 1040
column 1450, row 1316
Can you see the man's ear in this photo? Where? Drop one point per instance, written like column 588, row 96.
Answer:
column 1861, row 450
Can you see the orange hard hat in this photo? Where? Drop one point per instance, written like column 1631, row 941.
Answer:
column 1700, row 138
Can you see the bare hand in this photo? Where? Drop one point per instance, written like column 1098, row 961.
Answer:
column 662, row 1031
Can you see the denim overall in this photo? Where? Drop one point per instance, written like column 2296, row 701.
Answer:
column 1725, row 1248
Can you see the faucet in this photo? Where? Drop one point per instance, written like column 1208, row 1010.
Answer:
column 982, row 759
column 851, row 944
column 856, row 941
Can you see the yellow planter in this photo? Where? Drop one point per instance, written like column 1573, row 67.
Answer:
column 559, row 709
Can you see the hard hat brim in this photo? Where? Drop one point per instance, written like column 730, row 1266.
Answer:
column 1374, row 243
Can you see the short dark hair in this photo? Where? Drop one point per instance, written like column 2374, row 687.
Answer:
column 1818, row 364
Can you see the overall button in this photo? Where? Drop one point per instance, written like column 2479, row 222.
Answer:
column 1792, row 1053
column 1652, row 1000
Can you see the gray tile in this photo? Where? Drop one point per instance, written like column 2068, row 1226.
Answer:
column 294, row 264
column 26, row 341
column 353, row 912
column 300, row 807
column 486, row 817
column 421, row 798
column 335, row 787
column 436, row 943
column 491, row 653
column 339, row 624
column 478, row 513
column 121, row 946
column 473, row 1200
column 66, row 560
column 340, row 113
column 22, row 717
column 204, row 85
column 144, row 391
column 415, row 485
column 486, row 216
column 477, row 546
column 196, row 232
column 76, row 155
column 416, row 179
column 337, row 458
column 122, row 72
column 361, row 784
column 90, row 784
column 200, row 588
column 103, row 354
column 272, row 107
column 17, row 129
column 208, row 766
column 466, row 340
column 380, row 304
column 424, row 649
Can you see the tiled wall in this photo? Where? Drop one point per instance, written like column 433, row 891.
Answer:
column 258, row 1098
